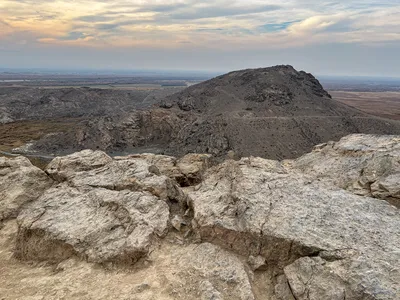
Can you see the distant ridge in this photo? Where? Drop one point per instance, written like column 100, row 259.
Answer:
column 274, row 112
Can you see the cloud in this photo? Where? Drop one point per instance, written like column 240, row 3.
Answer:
column 74, row 35
column 215, row 11
column 218, row 24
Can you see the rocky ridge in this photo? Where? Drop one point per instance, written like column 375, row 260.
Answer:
column 24, row 103
column 317, row 227
column 275, row 113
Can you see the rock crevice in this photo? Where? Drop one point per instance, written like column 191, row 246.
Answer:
column 253, row 228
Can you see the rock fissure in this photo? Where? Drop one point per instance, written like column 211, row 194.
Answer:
column 248, row 226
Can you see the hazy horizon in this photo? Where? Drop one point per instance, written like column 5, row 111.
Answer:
column 166, row 72
column 335, row 38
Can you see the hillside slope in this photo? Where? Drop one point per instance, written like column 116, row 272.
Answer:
column 274, row 112
column 267, row 92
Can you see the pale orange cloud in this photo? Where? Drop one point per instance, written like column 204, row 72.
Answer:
column 214, row 24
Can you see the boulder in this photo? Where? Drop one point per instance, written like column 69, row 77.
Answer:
column 257, row 207
column 367, row 165
column 96, row 169
column 96, row 224
column 187, row 170
column 20, row 183
column 64, row 167
column 102, row 210
column 212, row 273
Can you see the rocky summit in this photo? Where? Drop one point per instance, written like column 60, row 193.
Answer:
column 322, row 226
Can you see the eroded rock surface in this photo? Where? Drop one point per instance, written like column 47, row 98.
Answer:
column 20, row 183
column 98, row 225
column 244, row 229
column 368, row 165
column 103, row 210
column 260, row 208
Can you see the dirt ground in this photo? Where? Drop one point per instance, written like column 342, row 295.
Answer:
column 16, row 134
column 382, row 104
column 74, row 279
column 160, row 277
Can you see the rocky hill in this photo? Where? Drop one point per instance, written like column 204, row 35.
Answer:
column 17, row 104
column 274, row 112
column 157, row 227
column 278, row 91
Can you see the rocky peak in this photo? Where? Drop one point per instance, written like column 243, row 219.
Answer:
column 269, row 87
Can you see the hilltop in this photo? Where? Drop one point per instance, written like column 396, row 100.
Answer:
column 276, row 112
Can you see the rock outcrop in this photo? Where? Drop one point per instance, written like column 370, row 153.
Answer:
column 26, row 103
column 243, row 229
column 364, row 164
column 20, row 183
column 257, row 207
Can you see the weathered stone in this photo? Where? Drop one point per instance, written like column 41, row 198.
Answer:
column 225, row 274
column 367, row 165
column 65, row 167
column 252, row 224
column 257, row 263
column 177, row 222
column 96, row 169
column 257, row 207
column 187, row 171
column 20, row 183
column 99, row 225
column 192, row 168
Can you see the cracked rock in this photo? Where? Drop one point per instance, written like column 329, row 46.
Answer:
column 256, row 207
column 98, row 225
column 20, row 183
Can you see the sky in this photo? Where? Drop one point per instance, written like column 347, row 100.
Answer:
column 344, row 37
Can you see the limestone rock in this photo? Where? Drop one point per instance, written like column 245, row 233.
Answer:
column 309, row 228
column 96, row 169
column 62, row 168
column 98, row 225
column 260, row 208
column 187, row 171
column 364, row 164
column 216, row 273
column 192, row 168
column 20, row 183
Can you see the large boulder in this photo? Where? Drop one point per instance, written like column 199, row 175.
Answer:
column 103, row 210
column 20, row 183
column 64, row 167
column 187, row 170
column 367, row 165
column 258, row 207
column 98, row 225
column 96, row 169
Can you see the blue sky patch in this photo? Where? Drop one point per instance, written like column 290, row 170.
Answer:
column 275, row 27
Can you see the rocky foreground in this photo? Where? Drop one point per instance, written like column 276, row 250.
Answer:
column 324, row 226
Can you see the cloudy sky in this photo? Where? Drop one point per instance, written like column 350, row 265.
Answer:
column 343, row 37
